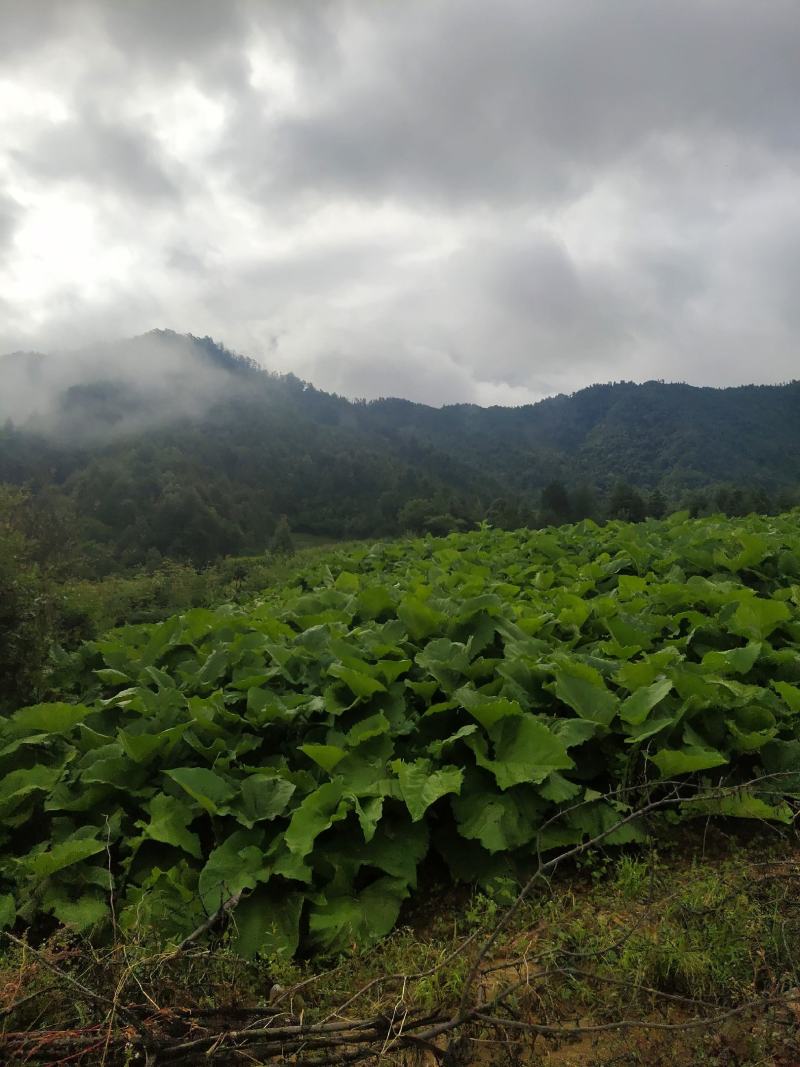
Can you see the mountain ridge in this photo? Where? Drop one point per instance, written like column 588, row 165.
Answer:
column 174, row 443
column 217, row 352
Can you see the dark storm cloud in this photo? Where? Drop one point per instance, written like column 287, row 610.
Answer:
column 448, row 200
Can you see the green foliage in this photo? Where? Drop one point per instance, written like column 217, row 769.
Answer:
column 25, row 606
column 556, row 504
column 282, row 543
column 477, row 696
column 82, row 608
column 87, row 607
column 626, row 504
column 122, row 480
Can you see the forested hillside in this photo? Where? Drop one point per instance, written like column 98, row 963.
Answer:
column 170, row 445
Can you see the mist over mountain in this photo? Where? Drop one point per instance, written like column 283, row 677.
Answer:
column 118, row 389
column 572, row 194
column 173, row 444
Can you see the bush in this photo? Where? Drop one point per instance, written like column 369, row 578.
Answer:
column 25, row 610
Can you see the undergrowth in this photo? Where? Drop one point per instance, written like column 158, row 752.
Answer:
column 663, row 935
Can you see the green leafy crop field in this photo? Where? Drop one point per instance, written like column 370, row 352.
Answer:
column 483, row 698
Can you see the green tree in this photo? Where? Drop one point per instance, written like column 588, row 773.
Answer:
column 282, row 543
column 441, row 525
column 25, row 607
column 556, row 507
column 656, row 505
column 760, row 501
column 626, row 503
column 504, row 513
column 697, row 503
column 584, row 503
column 414, row 515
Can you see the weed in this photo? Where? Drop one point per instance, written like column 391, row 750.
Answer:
column 633, row 876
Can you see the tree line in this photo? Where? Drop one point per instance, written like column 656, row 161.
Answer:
column 52, row 593
column 200, row 487
column 558, row 504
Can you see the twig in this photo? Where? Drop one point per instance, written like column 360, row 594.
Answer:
column 673, row 798
column 24, row 1000
column 640, row 1024
column 213, row 919
column 90, row 993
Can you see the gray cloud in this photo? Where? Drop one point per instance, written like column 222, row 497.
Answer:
column 441, row 200
column 530, row 100
column 104, row 154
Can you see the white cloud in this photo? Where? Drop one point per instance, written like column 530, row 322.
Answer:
column 423, row 200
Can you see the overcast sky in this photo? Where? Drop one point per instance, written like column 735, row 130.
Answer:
column 447, row 200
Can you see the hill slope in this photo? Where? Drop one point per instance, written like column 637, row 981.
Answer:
column 174, row 443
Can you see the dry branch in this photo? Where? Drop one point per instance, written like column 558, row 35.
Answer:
column 201, row 1034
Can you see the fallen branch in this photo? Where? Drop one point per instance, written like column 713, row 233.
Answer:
column 194, row 1034
column 212, row 921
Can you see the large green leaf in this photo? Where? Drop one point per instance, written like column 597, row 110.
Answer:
column 420, row 619
column 357, row 682
column 261, row 797
column 487, row 710
column 597, row 818
column 17, row 787
column 366, row 729
column 525, row 751
column 686, row 760
column 65, row 854
column 421, row 785
column 397, row 848
column 498, row 821
column 445, row 660
column 82, row 914
column 315, row 814
column 743, row 804
column 790, row 694
column 754, row 549
column 141, row 748
column 214, row 667
column 49, row 718
column 638, row 706
column 558, row 788
column 237, row 864
column 369, row 815
column 267, row 923
column 756, row 618
column 347, row 922
column 169, row 819
column 8, row 911
column 582, row 688
column 207, row 788
column 325, row 756
column 734, row 661
column 374, row 601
